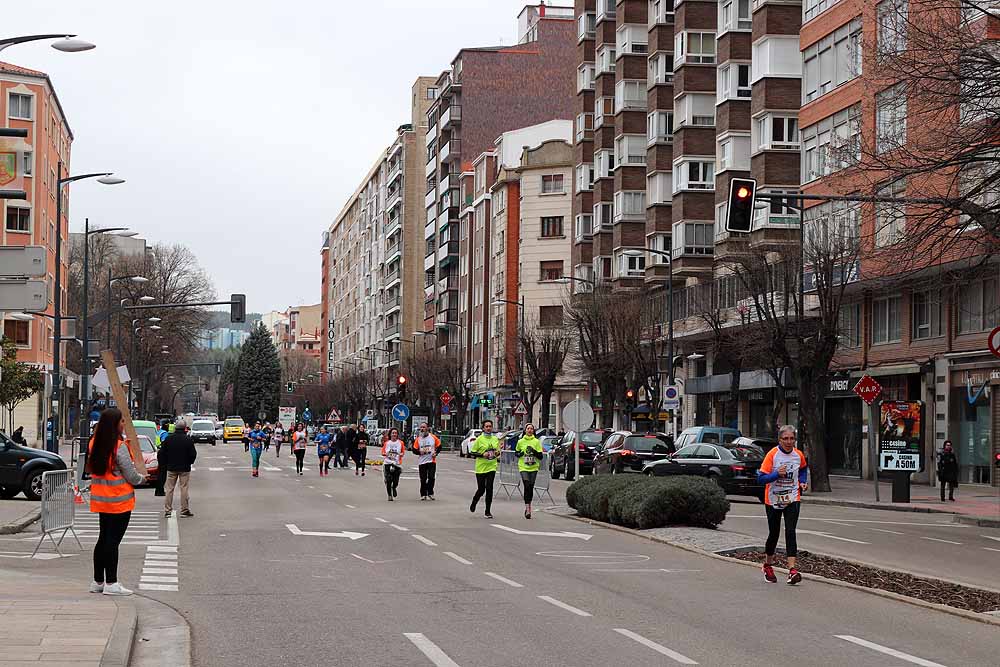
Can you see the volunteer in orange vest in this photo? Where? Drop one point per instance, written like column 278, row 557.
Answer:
column 427, row 446
column 112, row 496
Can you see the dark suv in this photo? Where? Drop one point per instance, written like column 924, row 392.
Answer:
column 562, row 458
column 21, row 469
column 626, row 451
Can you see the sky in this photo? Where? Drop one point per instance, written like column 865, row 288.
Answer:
column 241, row 126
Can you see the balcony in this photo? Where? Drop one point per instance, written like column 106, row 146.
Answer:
column 392, row 277
column 395, row 171
column 448, row 283
column 447, row 251
column 394, row 357
column 445, row 315
column 390, row 331
column 451, row 117
column 430, row 261
column 451, row 151
column 392, row 251
column 450, row 182
column 430, row 308
column 432, row 134
column 430, row 198
column 394, row 198
column 431, row 167
column 392, row 303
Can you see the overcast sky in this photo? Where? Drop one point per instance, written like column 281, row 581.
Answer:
column 241, row 125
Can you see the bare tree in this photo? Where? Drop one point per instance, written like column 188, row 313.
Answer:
column 544, row 350
column 591, row 315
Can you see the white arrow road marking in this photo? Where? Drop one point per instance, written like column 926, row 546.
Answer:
column 376, row 562
column 350, row 507
column 424, row 540
column 883, row 530
column 564, row 533
column 934, row 539
column 294, row 530
column 832, row 537
column 659, row 648
column 400, row 528
column 990, row 537
column 889, row 651
column 328, row 495
column 563, row 605
column 380, row 519
column 987, row 548
column 430, row 649
column 509, row 582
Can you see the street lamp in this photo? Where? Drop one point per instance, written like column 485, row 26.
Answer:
column 111, row 283
column 68, row 43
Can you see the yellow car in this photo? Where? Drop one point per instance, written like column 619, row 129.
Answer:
column 233, row 429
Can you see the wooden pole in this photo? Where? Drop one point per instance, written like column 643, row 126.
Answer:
column 118, row 393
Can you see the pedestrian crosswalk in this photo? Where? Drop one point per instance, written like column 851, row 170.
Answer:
column 159, row 571
column 143, row 528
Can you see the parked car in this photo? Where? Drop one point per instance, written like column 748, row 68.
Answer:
column 233, row 429
column 149, row 458
column 148, row 429
column 625, row 451
column 550, row 441
column 21, row 469
column 203, row 430
column 707, row 434
column 470, row 437
column 562, row 459
column 733, row 466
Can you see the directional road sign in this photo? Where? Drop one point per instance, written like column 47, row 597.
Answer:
column 400, row 412
column 899, row 461
column 23, row 261
column 994, row 342
column 24, row 295
column 868, row 389
column 445, row 409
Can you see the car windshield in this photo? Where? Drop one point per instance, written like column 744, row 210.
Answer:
column 147, row 431
column 203, row 426
column 642, row 443
column 146, row 445
column 729, row 436
column 745, row 451
column 234, row 422
column 591, row 437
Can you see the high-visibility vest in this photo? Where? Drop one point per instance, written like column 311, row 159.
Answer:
column 110, row 492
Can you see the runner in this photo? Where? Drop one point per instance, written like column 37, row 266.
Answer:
column 486, row 451
column 277, row 438
column 299, row 439
column 267, row 431
column 529, row 454
column 256, row 447
column 361, row 450
column 246, row 437
column 323, row 450
column 785, row 472
column 427, row 446
column 392, row 462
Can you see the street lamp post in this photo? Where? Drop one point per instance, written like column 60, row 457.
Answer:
column 111, row 283
column 521, row 332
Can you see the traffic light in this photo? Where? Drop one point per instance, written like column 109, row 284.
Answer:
column 238, row 308
column 742, row 195
column 401, row 386
column 996, row 460
column 290, row 387
column 629, row 398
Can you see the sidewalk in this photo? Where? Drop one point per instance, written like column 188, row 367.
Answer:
column 44, row 620
column 974, row 502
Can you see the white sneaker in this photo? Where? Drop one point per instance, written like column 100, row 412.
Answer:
column 116, row 589
column 96, row 587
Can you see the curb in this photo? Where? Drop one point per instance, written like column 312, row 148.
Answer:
column 977, row 521
column 118, row 650
column 163, row 637
column 969, row 615
column 871, row 506
column 17, row 525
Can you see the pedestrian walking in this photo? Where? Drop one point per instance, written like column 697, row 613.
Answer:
column 246, row 438
column 361, row 450
column 947, row 470
column 529, row 455
column 339, row 445
column 267, row 435
column 486, row 451
column 392, row 462
column 256, row 440
column 350, row 443
column 427, row 446
column 785, row 473
column 324, row 448
column 112, row 497
column 163, row 432
column 299, row 440
column 179, row 455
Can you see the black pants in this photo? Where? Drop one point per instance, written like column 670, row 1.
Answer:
column 246, row 445
column 791, row 514
column 360, row 457
column 339, row 456
column 484, row 485
column 113, row 527
column 528, row 482
column 951, row 489
column 391, row 474
column 427, row 471
column 300, row 455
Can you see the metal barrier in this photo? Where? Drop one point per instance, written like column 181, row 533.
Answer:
column 544, row 479
column 509, row 477
column 58, row 507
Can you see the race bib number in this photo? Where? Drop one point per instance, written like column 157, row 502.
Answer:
column 783, row 498
column 426, row 450
column 529, row 460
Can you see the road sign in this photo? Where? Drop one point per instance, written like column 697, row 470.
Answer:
column 286, row 415
column 868, row 389
column 897, row 461
column 262, row 415
column 23, row 261
column 521, row 410
column 446, row 398
column 445, row 409
column 578, row 415
column 994, row 342
column 334, row 415
column 671, row 397
column 371, row 423
column 24, row 295
column 400, row 412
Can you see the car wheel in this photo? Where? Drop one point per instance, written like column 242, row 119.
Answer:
column 553, row 473
column 8, row 492
column 713, row 477
column 33, row 486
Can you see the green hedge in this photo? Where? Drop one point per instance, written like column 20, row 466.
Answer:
column 638, row 501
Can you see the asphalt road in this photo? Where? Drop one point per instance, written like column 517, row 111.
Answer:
column 430, row 583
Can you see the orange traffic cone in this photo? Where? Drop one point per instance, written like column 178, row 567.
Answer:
column 77, row 496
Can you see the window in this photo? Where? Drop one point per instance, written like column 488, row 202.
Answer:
column 19, row 106
column 890, row 118
column 552, row 226
column 550, row 316
column 833, row 225
column 813, row 8
column 660, row 127
column 659, row 242
column 660, row 11
column 499, row 200
column 890, row 218
column 630, row 150
column 630, row 95
column 605, row 9
column 885, row 320
column 892, row 17
column 585, row 77
column 694, row 109
column 586, row 25
column 694, row 175
column 586, row 273
column 17, row 331
column 734, row 15
column 603, row 216
column 584, row 177
column 605, row 59
column 976, row 182
column 584, row 224
column 602, row 268
column 630, row 205
column 552, row 184
column 604, row 108
column 632, row 39
column 831, row 144
column 692, row 238
column 605, row 161
column 660, row 69
column 659, row 189
column 832, row 61
column 27, row 163
column 979, row 305
column 774, row 132
column 18, row 219
column 776, row 213
column 551, row 270
column 693, row 48
column 584, row 124
column 631, row 266
column 849, row 325
column 928, row 311
column 432, row 93
column 733, row 82
column 734, row 152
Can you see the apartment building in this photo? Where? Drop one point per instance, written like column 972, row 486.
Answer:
column 486, row 92
column 372, row 287
column 28, row 101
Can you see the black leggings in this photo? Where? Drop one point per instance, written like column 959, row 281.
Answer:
column 791, row 513
column 484, row 485
column 360, row 456
column 300, row 455
column 113, row 527
column 391, row 474
column 428, row 471
column 528, row 482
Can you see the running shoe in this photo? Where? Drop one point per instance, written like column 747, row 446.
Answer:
column 390, row 498
column 116, row 589
column 769, row 573
column 96, row 587
column 489, row 516
column 794, row 577
column 166, row 515
column 527, row 514
column 187, row 513
column 472, row 507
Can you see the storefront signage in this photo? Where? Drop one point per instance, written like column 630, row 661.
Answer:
column 994, row 342
column 900, row 436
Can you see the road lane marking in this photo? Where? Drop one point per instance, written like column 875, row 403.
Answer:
column 162, row 549
column 158, row 570
column 352, row 507
column 564, row 533
column 888, row 523
column 159, row 556
column 400, row 528
column 156, row 587
column 509, row 582
column 990, row 537
column 380, row 519
column 991, row 549
column 430, row 649
column 661, row 569
column 216, row 469
column 934, row 539
column 295, row 530
column 160, row 580
column 424, row 540
column 563, row 605
column 659, row 648
column 832, row 537
column 889, row 651
column 461, row 560
column 883, row 530
column 328, row 495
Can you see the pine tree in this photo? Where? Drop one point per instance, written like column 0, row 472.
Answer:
column 258, row 376
column 227, row 381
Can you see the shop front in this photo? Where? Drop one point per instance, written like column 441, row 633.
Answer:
column 971, row 428
column 844, row 437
